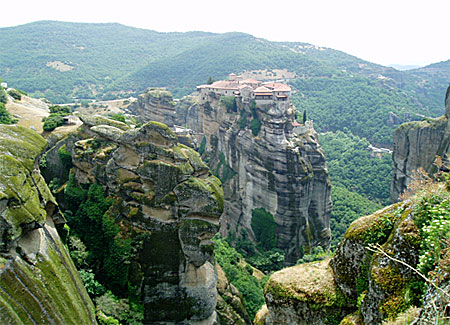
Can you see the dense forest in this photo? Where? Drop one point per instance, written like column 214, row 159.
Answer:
column 360, row 181
column 64, row 62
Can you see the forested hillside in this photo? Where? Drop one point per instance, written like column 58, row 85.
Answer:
column 65, row 62
column 360, row 181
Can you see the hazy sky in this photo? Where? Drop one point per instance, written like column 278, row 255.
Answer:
column 381, row 31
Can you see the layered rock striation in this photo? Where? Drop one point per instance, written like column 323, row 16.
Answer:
column 156, row 104
column 38, row 281
column 416, row 145
column 167, row 202
column 263, row 164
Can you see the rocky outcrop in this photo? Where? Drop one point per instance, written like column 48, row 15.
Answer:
column 416, row 145
column 305, row 294
column 378, row 269
column 38, row 281
column 168, row 203
column 263, row 164
column 156, row 104
column 383, row 286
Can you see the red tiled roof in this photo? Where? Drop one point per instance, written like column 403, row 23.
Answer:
column 224, row 84
column 296, row 124
column 276, row 86
column 262, row 89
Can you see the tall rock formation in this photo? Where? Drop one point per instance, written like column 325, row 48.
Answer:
column 262, row 162
column 38, row 281
column 416, row 145
column 167, row 202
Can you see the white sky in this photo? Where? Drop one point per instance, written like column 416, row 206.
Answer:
column 380, row 31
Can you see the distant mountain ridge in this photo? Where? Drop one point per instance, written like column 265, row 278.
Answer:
column 65, row 61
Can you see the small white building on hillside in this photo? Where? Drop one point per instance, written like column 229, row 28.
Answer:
column 4, row 85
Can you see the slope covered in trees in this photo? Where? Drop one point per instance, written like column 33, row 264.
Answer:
column 360, row 182
column 67, row 61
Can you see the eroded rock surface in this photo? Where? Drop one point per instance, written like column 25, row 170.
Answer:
column 38, row 281
column 416, row 145
column 272, row 168
column 168, row 203
column 305, row 294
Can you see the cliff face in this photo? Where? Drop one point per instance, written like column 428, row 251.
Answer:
column 155, row 105
column 167, row 202
column 416, row 145
column 262, row 165
column 38, row 281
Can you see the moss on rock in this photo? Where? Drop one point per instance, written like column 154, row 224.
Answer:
column 305, row 292
column 94, row 120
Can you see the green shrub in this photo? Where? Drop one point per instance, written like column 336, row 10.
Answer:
column 223, row 170
column 237, row 273
column 317, row 254
column 264, row 227
column 120, row 309
column 255, row 126
column 99, row 232
column 78, row 252
column 66, row 157
column 432, row 217
column 269, row 261
column 93, row 287
column 60, row 110
column 3, row 97
column 15, row 94
column 118, row 117
column 54, row 184
column 5, row 116
column 229, row 102
column 243, row 120
column 202, row 148
column 51, row 122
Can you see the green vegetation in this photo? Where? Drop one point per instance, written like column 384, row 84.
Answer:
column 352, row 167
column 5, row 116
column 432, row 217
column 55, row 118
column 317, row 254
column 223, row 170
column 101, row 255
column 255, row 126
column 202, row 148
column 118, row 117
column 347, row 207
column 105, row 61
column 89, row 221
column 240, row 275
column 357, row 103
column 15, row 94
column 229, row 102
column 243, row 120
column 264, row 227
column 360, row 182
column 3, row 97
column 66, row 157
